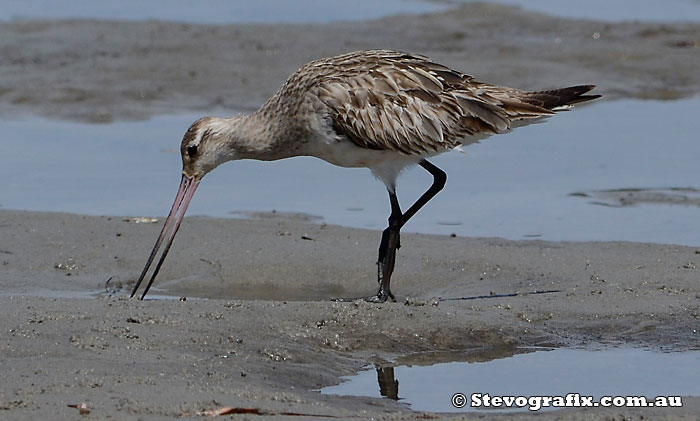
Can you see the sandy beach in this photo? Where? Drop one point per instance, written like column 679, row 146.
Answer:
column 257, row 328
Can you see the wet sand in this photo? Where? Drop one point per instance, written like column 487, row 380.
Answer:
column 267, row 336
column 100, row 71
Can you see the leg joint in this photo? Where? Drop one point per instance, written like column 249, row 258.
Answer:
column 439, row 176
column 439, row 180
column 395, row 222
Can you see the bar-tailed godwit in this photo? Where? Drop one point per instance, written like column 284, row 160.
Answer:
column 384, row 110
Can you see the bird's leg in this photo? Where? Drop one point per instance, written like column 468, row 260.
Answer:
column 439, row 180
column 387, row 251
column 390, row 237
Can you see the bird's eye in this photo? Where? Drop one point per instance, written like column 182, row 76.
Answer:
column 192, row 150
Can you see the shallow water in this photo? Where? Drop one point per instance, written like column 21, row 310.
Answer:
column 324, row 11
column 427, row 382
column 614, row 10
column 514, row 186
column 218, row 11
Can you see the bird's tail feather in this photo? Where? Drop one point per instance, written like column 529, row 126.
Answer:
column 559, row 99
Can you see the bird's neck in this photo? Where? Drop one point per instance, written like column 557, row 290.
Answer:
column 262, row 137
column 247, row 136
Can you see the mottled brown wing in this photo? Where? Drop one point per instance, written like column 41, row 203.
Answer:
column 407, row 109
column 390, row 100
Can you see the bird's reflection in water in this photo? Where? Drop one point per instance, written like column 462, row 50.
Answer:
column 388, row 385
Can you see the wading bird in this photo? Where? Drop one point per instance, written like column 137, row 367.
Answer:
column 384, row 110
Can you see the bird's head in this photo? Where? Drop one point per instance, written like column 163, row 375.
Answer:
column 204, row 147
column 208, row 143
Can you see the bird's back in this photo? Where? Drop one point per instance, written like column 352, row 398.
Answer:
column 394, row 101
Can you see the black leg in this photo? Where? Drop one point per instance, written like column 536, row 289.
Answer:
column 390, row 237
column 387, row 251
column 439, row 180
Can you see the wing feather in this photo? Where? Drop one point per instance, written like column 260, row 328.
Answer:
column 390, row 100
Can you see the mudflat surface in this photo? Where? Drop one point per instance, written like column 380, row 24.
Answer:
column 100, row 70
column 268, row 334
column 258, row 329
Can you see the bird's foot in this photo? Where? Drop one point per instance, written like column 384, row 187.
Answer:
column 381, row 297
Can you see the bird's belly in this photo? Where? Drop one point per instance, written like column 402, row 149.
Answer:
column 347, row 154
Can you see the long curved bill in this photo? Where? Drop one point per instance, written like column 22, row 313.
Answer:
column 188, row 185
